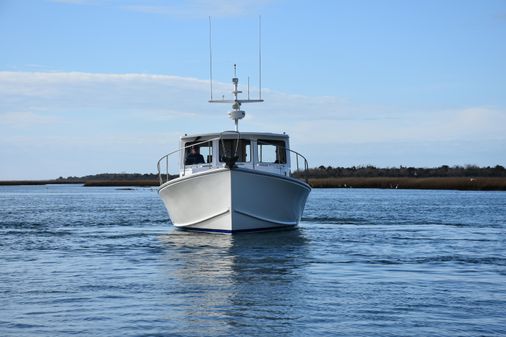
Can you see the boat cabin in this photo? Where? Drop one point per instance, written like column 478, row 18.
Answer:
column 268, row 152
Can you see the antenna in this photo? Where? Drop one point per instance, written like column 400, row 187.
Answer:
column 260, row 57
column 236, row 114
column 210, row 59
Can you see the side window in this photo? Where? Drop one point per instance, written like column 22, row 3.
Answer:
column 198, row 154
column 229, row 146
column 271, row 151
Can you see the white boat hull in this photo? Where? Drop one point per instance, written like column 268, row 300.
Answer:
column 225, row 200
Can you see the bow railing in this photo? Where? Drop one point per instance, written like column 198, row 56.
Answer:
column 304, row 164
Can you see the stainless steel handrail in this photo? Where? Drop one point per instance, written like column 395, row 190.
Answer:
column 306, row 166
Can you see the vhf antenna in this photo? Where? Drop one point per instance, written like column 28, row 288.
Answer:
column 260, row 57
column 236, row 114
column 210, row 59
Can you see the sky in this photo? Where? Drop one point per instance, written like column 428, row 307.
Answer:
column 95, row 86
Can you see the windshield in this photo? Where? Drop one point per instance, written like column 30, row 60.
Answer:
column 231, row 147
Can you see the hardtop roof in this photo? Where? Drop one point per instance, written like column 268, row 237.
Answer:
column 233, row 134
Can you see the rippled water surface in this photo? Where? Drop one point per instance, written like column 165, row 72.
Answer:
column 107, row 262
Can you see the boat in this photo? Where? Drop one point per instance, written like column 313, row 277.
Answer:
column 235, row 181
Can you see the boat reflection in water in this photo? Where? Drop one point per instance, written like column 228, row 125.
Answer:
column 215, row 283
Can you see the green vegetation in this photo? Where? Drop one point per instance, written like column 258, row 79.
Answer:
column 436, row 183
column 468, row 177
column 113, row 178
column 103, row 179
column 372, row 171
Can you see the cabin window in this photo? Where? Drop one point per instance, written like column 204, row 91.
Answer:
column 271, row 151
column 241, row 148
column 198, row 154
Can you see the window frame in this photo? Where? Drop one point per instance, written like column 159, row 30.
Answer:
column 280, row 147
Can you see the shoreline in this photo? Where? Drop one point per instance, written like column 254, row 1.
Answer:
column 433, row 183
column 429, row 183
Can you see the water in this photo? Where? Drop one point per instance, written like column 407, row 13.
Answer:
column 106, row 262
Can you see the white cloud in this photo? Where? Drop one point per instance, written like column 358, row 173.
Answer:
column 200, row 8
column 468, row 124
column 186, row 9
column 26, row 118
column 41, row 97
column 114, row 93
column 125, row 122
column 74, row 2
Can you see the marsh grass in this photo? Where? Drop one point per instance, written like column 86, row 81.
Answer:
column 133, row 182
column 436, row 183
column 433, row 183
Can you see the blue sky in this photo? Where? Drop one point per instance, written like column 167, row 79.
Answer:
column 90, row 86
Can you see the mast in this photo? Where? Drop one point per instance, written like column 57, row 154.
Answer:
column 236, row 114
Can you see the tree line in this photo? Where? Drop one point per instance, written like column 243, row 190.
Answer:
column 330, row 172
column 403, row 171
column 109, row 177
